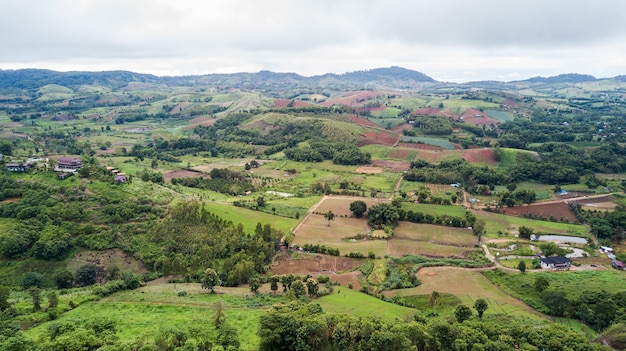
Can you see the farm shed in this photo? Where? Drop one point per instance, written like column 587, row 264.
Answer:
column 619, row 265
column 555, row 262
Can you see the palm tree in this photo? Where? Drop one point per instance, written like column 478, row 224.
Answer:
column 329, row 216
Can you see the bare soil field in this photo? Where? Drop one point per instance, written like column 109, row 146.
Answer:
column 477, row 117
column 395, row 166
column 183, row 173
column 354, row 98
column 399, row 247
column 107, row 258
column 313, row 263
column 282, row 103
column 435, row 234
column 369, row 170
column 341, row 206
column 482, row 156
column 402, row 154
column 379, row 137
column 402, row 127
column 200, row 121
column 559, row 210
column 363, row 122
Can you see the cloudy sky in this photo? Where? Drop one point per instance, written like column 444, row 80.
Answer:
column 449, row 40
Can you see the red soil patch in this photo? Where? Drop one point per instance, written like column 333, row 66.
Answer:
column 284, row 264
column 363, row 122
column 483, row 156
column 200, row 121
column 282, row 103
column 476, row 117
column 183, row 173
column 510, row 103
column 559, row 210
column 431, row 111
column 381, row 138
column 401, row 154
column 395, row 166
column 354, row 98
column 399, row 128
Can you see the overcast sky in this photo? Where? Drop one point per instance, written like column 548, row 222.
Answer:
column 449, row 40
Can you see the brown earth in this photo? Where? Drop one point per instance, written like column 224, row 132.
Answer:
column 354, row 98
column 369, row 170
column 315, row 263
column 483, row 156
column 363, row 122
column 104, row 259
column 379, row 137
column 401, row 154
column 399, row 128
column 559, row 210
column 183, row 173
column 282, row 103
column 395, row 166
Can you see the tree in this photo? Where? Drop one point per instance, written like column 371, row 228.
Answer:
column 298, row 289
column 312, row 287
column 35, row 293
column 383, row 214
column 358, row 208
column 432, row 299
column 541, row 283
column 210, row 280
column 254, row 284
column 479, row 227
column 525, row 232
column 329, row 216
column 86, row 275
column 63, row 279
column 480, row 306
column 462, row 313
column 521, row 266
column 260, row 201
column 33, row 279
column 5, row 292
column 53, row 299
column 274, row 284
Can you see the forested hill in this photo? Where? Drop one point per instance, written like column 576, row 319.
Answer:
column 32, row 79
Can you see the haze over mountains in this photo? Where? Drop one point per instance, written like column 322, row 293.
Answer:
column 392, row 77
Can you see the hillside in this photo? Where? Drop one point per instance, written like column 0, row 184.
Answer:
column 331, row 207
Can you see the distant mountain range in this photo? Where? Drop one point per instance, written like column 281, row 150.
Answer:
column 392, row 77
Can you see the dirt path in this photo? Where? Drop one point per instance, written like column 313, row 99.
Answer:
column 397, row 187
column 570, row 199
column 308, row 214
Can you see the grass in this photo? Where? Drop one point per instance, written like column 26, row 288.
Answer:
column 434, row 233
column 250, row 218
column 435, row 210
column 399, row 247
column 500, row 222
column 499, row 115
column 427, row 140
column 347, row 301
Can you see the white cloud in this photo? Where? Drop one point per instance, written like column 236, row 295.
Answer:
column 448, row 39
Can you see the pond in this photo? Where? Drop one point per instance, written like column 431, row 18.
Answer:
column 563, row 238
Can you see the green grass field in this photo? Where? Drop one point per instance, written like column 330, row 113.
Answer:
column 435, row 210
column 501, row 116
column 250, row 218
column 444, row 143
column 500, row 222
column 347, row 301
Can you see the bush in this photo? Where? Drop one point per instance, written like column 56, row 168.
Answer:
column 86, row 275
column 33, row 279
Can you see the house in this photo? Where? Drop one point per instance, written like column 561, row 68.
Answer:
column 68, row 164
column 619, row 265
column 120, row 178
column 606, row 249
column 555, row 262
column 17, row 167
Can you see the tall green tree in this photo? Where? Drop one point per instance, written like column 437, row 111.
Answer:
column 358, row 208
column 210, row 280
column 462, row 313
column 480, row 305
column 329, row 216
column 5, row 292
column 521, row 266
